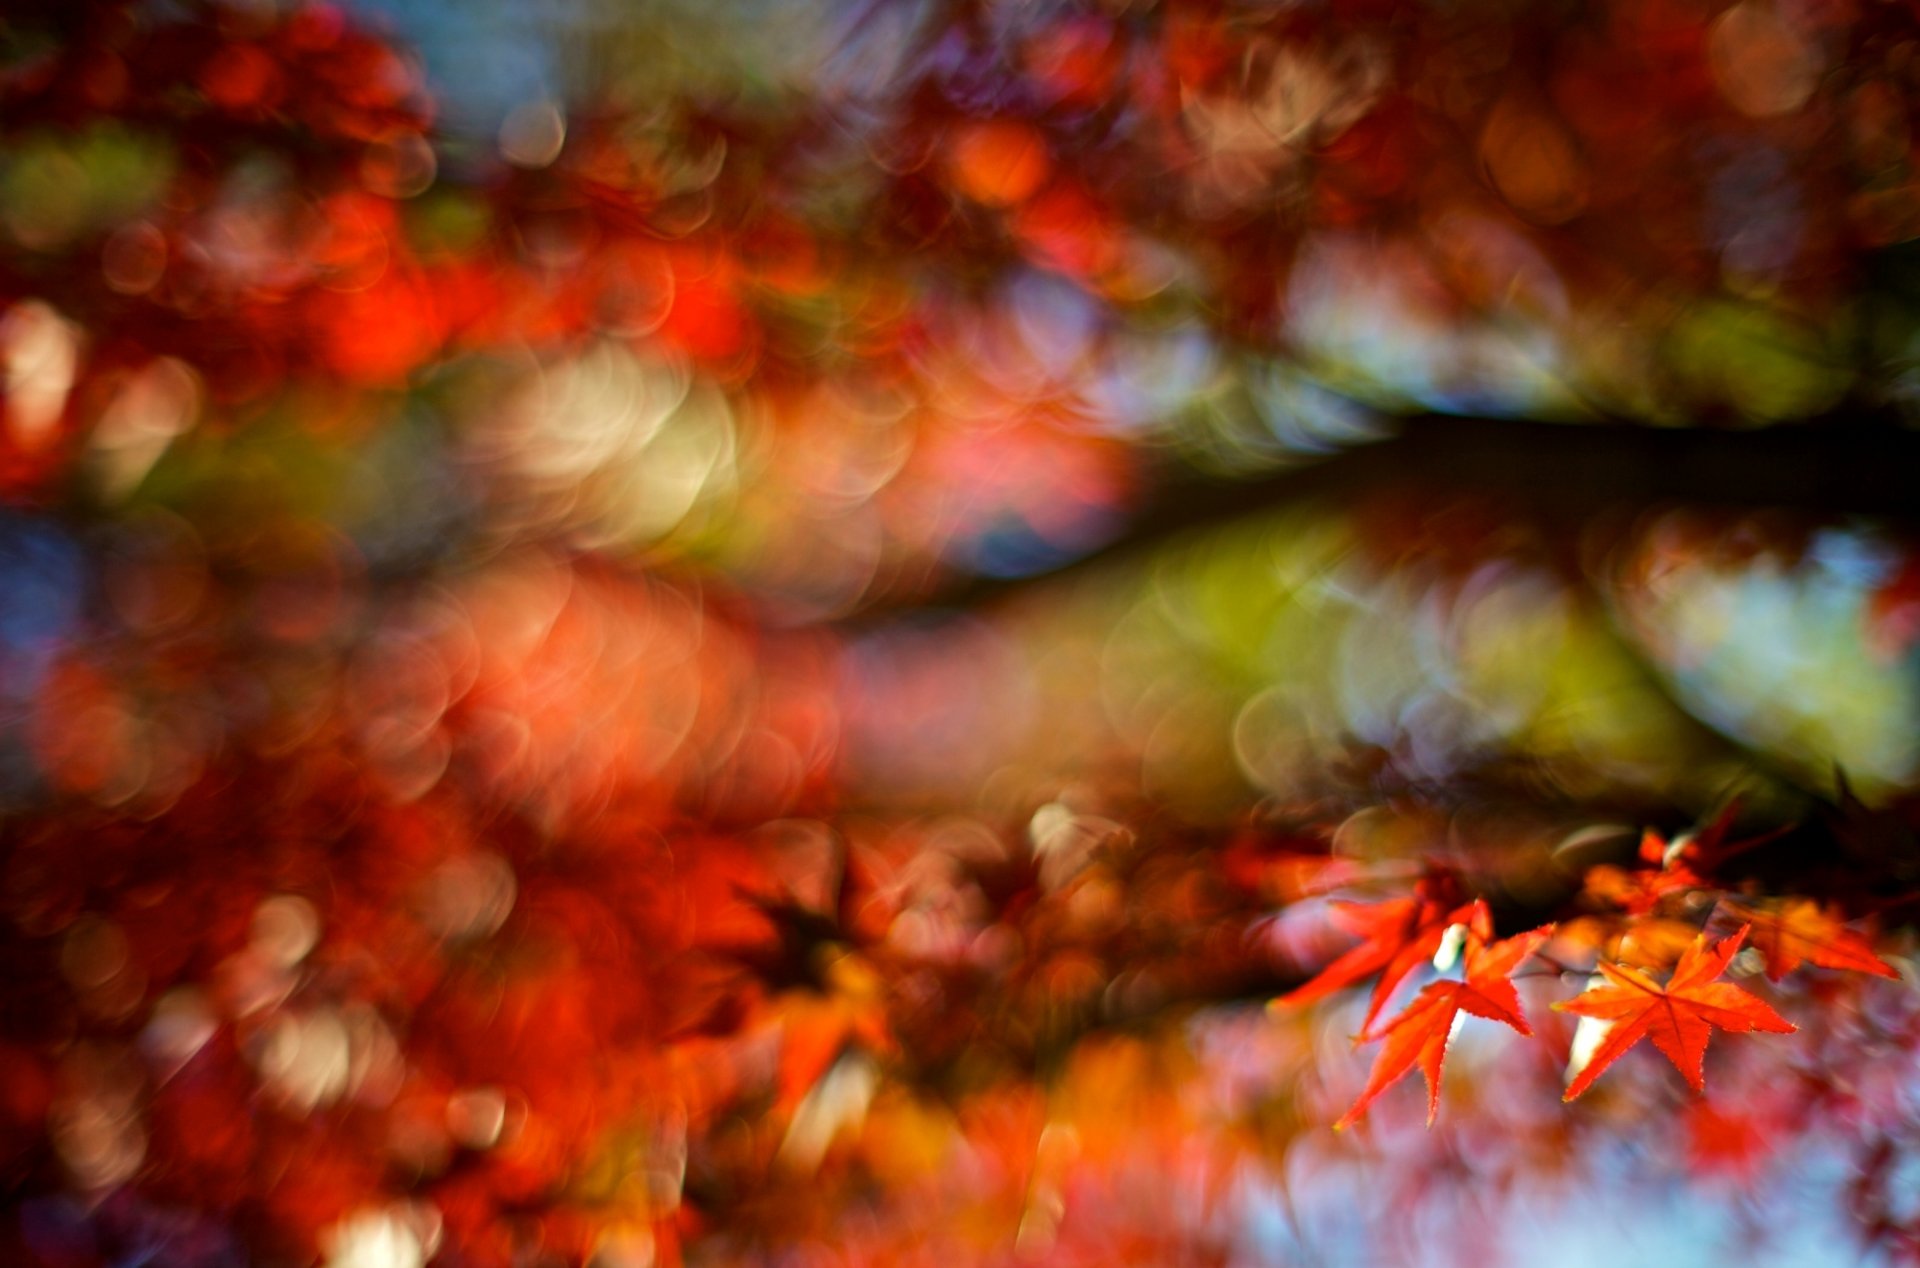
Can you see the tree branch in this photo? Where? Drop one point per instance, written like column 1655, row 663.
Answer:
column 1560, row 475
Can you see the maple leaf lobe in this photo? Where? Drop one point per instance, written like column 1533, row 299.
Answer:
column 1397, row 935
column 1679, row 1017
column 1796, row 931
column 1420, row 1034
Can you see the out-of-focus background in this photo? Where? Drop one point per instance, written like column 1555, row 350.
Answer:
column 757, row 632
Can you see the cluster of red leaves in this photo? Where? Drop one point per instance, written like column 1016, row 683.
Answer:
column 1067, row 167
column 674, row 981
column 555, row 867
column 1629, row 942
column 703, row 948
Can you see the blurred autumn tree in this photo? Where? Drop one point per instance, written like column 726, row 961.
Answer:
column 759, row 633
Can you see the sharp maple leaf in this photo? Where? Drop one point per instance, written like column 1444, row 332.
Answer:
column 1420, row 1033
column 1397, row 935
column 1679, row 1017
column 1797, row 930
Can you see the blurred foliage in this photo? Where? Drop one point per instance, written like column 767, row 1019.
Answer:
column 734, row 632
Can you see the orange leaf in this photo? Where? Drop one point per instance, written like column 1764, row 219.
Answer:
column 1398, row 935
column 1420, row 1033
column 1797, row 930
column 999, row 162
column 1678, row 1017
column 1668, row 870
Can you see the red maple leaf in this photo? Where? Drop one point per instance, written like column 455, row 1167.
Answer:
column 1667, row 869
column 1397, row 935
column 1421, row 1032
column 1678, row 865
column 1679, row 1017
column 1798, row 930
column 1727, row 1140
